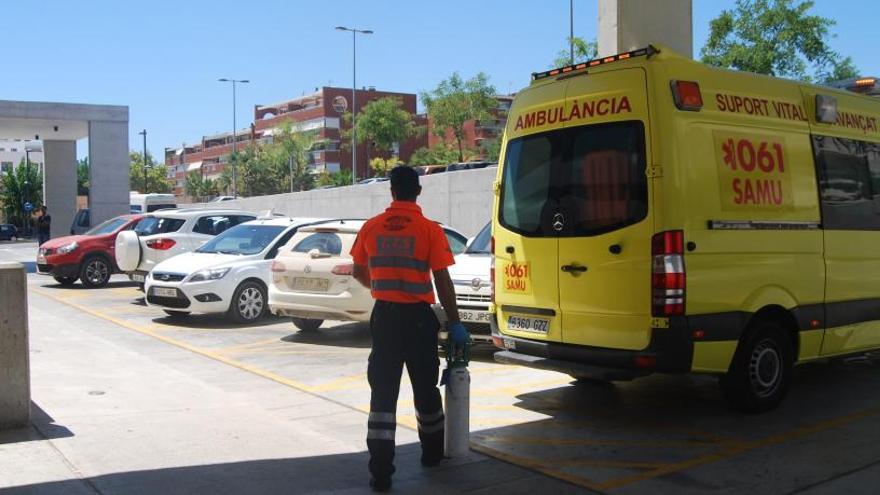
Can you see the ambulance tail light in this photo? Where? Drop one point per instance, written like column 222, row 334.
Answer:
column 668, row 281
column 687, row 95
column 344, row 269
column 492, row 268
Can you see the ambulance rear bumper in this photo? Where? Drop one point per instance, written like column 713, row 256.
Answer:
column 669, row 351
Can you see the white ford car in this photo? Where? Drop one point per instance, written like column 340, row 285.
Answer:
column 228, row 274
column 312, row 276
column 165, row 234
column 471, row 276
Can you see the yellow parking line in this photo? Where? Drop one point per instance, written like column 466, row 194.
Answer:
column 595, row 441
column 248, row 346
column 342, row 383
column 533, row 465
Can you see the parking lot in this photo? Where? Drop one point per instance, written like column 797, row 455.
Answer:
column 662, row 434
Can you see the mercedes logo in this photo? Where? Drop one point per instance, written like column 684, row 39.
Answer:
column 476, row 283
column 558, row 222
column 307, row 269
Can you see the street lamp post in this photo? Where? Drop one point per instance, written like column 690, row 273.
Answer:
column 571, row 30
column 144, row 134
column 234, row 128
column 354, row 33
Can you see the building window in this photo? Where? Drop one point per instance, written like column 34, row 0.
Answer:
column 5, row 167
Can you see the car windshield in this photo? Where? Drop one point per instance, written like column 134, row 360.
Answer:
column 481, row 243
column 107, row 227
column 242, row 239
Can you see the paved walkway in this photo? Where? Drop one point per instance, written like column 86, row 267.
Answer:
column 119, row 412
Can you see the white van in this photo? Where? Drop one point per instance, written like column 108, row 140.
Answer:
column 146, row 203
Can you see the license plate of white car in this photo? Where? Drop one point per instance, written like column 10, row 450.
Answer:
column 536, row 325
column 164, row 292
column 470, row 315
column 137, row 277
column 312, row 284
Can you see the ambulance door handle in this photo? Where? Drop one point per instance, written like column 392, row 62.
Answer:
column 574, row 269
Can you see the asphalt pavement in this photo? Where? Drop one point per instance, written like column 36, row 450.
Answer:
column 128, row 401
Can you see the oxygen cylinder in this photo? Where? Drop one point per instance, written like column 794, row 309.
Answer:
column 458, row 400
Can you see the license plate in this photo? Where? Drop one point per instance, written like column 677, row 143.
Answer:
column 164, row 292
column 137, row 277
column 312, row 284
column 535, row 325
column 474, row 316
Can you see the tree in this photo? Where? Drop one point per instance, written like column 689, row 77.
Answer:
column 384, row 122
column 440, row 154
column 157, row 175
column 778, row 38
column 82, row 177
column 290, row 149
column 336, row 179
column 381, row 166
column 491, row 149
column 583, row 51
column 455, row 101
column 200, row 187
column 24, row 184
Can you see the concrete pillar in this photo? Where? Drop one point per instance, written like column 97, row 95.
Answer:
column 626, row 25
column 59, row 184
column 15, row 380
column 108, row 170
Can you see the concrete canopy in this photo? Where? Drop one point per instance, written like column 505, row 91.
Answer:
column 59, row 126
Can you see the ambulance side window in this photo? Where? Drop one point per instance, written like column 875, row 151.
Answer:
column 848, row 172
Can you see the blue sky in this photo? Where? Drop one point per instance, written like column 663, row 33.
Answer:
column 162, row 58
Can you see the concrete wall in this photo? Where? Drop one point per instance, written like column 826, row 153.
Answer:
column 108, row 170
column 59, row 184
column 626, row 25
column 15, row 383
column 462, row 200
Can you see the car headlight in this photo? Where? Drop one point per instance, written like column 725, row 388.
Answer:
column 68, row 248
column 214, row 274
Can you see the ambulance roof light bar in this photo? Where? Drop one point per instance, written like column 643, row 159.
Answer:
column 863, row 85
column 650, row 50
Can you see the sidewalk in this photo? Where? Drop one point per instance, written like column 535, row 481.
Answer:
column 120, row 413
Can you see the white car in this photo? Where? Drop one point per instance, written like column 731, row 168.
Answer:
column 228, row 274
column 312, row 276
column 471, row 276
column 163, row 235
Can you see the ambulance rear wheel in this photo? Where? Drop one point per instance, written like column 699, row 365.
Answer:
column 762, row 367
column 307, row 324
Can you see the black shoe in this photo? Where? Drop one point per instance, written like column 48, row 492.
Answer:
column 432, row 461
column 380, row 485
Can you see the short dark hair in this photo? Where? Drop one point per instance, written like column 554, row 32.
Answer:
column 405, row 183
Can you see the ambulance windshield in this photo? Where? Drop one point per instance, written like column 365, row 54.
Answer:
column 578, row 181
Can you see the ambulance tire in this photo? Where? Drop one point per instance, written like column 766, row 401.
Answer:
column 307, row 324
column 762, row 368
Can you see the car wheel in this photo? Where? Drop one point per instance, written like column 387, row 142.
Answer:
column 95, row 272
column 248, row 303
column 307, row 324
column 760, row 374
column 65, row 281
column 176, row 314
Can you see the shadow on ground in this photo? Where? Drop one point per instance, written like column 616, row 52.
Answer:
column 218, row 321
column 342, row 473
column 675, row 434
column 354, row 335
column 42, row 427
column 80, row 286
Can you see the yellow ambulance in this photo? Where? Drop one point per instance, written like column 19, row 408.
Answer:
column 653, row 214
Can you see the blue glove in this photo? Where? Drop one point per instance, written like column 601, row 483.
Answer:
column 457, row 333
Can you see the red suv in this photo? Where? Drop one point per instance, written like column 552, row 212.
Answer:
column 89, row 257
